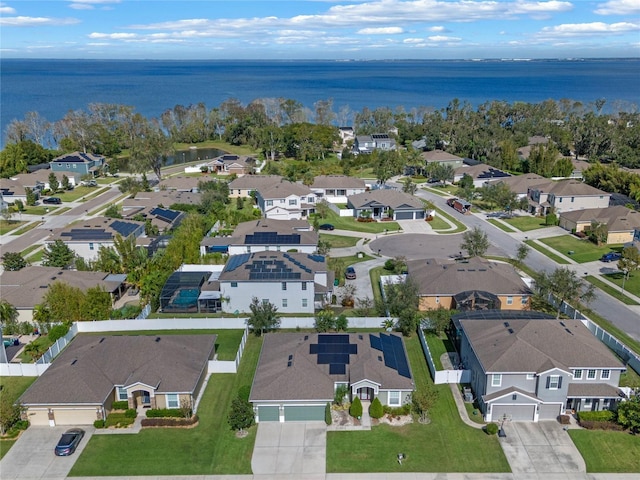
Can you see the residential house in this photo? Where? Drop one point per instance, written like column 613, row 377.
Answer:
column 164, row 219
column 299, row 373
column 27, row 287
column 375, row 141
column 264, row 234
column 228, row 164
column 11, row 190
column 78, row 164
column 192, row 289
column 536, row 369
column 285, row 200
column 386, row 203
column 443, row 158
column 481, row 174
column 93, row 371
column 475, row 284
column 336, row 188
column 293, row 282
column 162, row 199
column 86, row 238
column 346, row 134
column 244, row 186
column 525, row 152
column 39, row 180
column 565, row 196
column 621, row 221
column 180, row 184
column 520, row 184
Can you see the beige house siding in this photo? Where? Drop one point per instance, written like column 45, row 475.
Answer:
column 516, row 302
column 580, row 202
column 619, row 237
column 429, row 303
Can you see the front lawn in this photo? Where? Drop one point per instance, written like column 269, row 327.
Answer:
column 444, row 445
column 606, row 451
column 350, row 223
column 211, row 448
column 500, row 225
column 8, row 225
column 631, row 284
column 614, row 292
column 12, row 388
column 526, row 223
column 583, row 249
column 546, row 252
column 339, row 241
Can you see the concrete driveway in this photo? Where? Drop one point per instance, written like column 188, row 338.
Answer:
column 32, row 455
column 296, row 448
column 540, row 448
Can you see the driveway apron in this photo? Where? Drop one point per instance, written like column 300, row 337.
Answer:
column 296, row 448
column 540, row 448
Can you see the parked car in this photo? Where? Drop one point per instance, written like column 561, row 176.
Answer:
column 451, row 201
column 52, row 201
column 326, row 226
column 69, row 442
column 89, row 183
column 350, row 273
column 611, row 257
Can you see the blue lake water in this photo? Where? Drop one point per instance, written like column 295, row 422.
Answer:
column 53, row 87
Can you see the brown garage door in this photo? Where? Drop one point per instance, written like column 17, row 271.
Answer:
column 75, row 416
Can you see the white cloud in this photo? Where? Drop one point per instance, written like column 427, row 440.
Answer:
column 380, row 31
column 588, row 29
column 36, row 21
column 6, row 10
column 438, row 29
column 113, row 36
column 619, row 7
column 89, row 4
column 413, row 40
column 443, row 38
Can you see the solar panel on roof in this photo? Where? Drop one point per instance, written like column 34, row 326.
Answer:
column 164, row 213
column 124, row 228
column 333, row 338
column 236, row 261
column 375, row 342
column 387, row 351
column 401, row 357
column 316, row 258
column 337, row 369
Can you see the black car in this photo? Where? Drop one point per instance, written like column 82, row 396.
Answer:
column 326, row 226
column 69, row 442
column 611, row 257
column 52, row 201
column 350, row 273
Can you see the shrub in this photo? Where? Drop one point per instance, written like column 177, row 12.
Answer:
column 564, row 419
column 169, row 422
column 241, row 415
column 396, row 411
column 57, row 331
column 491, row 428
column 327, row 413
column 375, row 409
column 600, row 425
column 99, row 424
column 164, row 413
column 130, row 413
column 21, row 425
column 342, row 390
column 120, row 405
column 355, row 410
column 599, row 416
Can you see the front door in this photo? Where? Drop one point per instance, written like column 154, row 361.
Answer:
column 365, row 393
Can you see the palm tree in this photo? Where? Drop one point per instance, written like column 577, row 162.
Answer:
column 8, row 313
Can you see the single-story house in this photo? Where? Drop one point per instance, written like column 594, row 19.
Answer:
column 520, row 184
column 536, row 369
column 620, row 221
column 264, row 234
column 86, row 238
column 387, row 203
column 180, row 184
column 298, row 373
column 565, row 196
column 78, row 163
column 161, row 199
column 26, row 288
column 476, row 284
column 481, row 173
column 39, row 180
column 336, row 188
column 229, row 164
column 442, row 157
column 293, row 282
column 93, row 371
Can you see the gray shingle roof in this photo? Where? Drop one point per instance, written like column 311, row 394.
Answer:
column 520, row 184
column 617, row 219
column 305, row 379
column 586, row 390
column 440, row 156
column 386, row 198
column 438, row 276
column 337, row 181
column 89, row 368
column 285, row 266
column 536, row 345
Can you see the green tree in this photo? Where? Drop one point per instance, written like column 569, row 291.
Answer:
column 422, row 400
column 322, row 208
column 58, row 254
column 375, row 409
column 42, row 316
column 54, row 185
column 629, row 414
column 324, row 247
column 263, row 317
column 355, row 410
column 108, row 260
column 475, row 242
column 9, row 413
column 565, row 286
column 31, row 196
column 8, row 313
column 521, row 254
column 599, row 232
column 65, row 303
column 13, row 261
column 327, row 414
column 409, row 186
column 97, row 304
column 325, row 320
column 66, row 184
column 402, row 302
column 629, row 262
column 241, row 415
column 437, row 320
column 342, row 323
column 341, row 393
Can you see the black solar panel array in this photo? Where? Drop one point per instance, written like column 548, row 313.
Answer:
column 124, row 228
column 271, row 270
column 334, row 350
column 393, row 351
column 272, row 238
column 168, row 215
column 297, row 263
column 237, row 260
column 316, row 258
column 88, row 234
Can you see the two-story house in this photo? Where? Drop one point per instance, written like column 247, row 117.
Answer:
column 285, row 200
column 336, row 188
column 244, row 186
column 530, row 367
column 375, row 141
column 520, row 184
column 565, row 196
column 293, row 282
column 78, row 164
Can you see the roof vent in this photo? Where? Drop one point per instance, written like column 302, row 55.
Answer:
column 568, row 331
column 510, row 330
column 101, row 340
column 157, row 339
column 306, row 337
column 53, row 278
column 506, row 324
column 379, row 358
column 74, row 361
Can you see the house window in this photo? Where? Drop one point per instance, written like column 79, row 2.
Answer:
column 284, row 285
column 172, row 400
column 265, row 301
column 234, row 284
column 269, row 203
column 605, row 403
column 577, row 374
column 524, row 300
column 304, row 302
column 586, row 404
column 531, row 376
column 90, row 245
column 394, row 398
column 293, row 201
column 605, row 374
column 284, row 303
column 311, row 200
column 68, row 165
column 342, row 192
column 509, row 300
column 304, row 285
column 74, row 165
column 496, row 380
column 248, row 249
column 122, row 393
column 554, row 382
column 514, row 397
column 591, row 374
column 331, row 191
column 560, row 200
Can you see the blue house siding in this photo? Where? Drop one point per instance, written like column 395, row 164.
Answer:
column 77, row 163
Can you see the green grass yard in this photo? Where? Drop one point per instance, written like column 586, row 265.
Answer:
column 444, row 445
column 7, row 226
column 339, row 241
column 614, row 292
column 631, row 284
column 211, row 448
column 350, row 223
column 526, row 223
column 546, row 252
column 583, row 249
column 606, row 451
column 501, row 225
column 12, row 388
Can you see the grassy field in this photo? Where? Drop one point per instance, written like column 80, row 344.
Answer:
column 583, row 249
column 339, row 241
column 631, row 284
column 546, row 252
column 211, row 448
column 526, row 223
column 460, row 227
column 8, row 226
column 444, row 445
column 12, row 388
column 608, row 451
column 614, row 292
column 26, row 228
column 501, row 225
column 350, row 223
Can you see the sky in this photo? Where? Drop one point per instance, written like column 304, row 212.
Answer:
column 319, row 29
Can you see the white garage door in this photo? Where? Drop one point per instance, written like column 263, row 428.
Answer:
column 38, row 417
column 75, row 416
column 513, row 412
